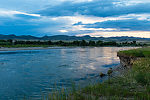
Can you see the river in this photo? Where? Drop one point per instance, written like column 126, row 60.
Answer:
column 32, row 73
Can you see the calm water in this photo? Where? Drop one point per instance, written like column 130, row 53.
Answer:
column 35, row 72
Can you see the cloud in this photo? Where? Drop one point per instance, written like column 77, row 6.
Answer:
column 33, row 26
column 130, row 2
column 75, row 17
column 13, row 14
column 82, row 28
column 70, row 8
column 31, row 6
column 100, row 8
column 63, row 31
column 132, row 24
column 24, row 5
column 80, row 19
column 143, row 34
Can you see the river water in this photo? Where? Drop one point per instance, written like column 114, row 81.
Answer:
column 31, row 73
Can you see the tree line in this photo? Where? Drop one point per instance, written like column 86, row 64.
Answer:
column 70, row 43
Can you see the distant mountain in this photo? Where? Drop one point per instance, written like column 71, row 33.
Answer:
column 70, row 38
column 14, row 37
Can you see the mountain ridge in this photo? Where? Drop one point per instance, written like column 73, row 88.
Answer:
column 70, row 38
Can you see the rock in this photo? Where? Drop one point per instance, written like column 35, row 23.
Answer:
column 126, row 61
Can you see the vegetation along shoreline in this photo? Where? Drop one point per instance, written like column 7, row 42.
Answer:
column 28, row 43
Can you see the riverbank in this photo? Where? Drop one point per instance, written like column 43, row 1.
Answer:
column 134, row 84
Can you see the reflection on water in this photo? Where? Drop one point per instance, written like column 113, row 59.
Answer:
column 33, row 72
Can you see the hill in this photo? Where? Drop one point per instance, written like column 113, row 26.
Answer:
column 70, row 38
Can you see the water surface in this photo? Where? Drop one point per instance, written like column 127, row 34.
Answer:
column 35, row 72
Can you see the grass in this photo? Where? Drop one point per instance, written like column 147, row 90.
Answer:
column 140, row 52
column 134, row 85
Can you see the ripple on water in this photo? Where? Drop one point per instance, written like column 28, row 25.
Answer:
column 33, row 72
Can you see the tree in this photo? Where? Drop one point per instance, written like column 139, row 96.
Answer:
column 49, row 42
column 91, row 43
column 134, row 42
column 76, row 43
column 83, row 43
column 10, row 41
column 99, row 43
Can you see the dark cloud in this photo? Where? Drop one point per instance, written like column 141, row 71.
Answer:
column 132, row 24
column 101, row 8
column 29, row 25
column 70, row 8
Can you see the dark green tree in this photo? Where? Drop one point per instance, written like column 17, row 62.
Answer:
column 91, row 43
column 83, row 43
column 99, row 43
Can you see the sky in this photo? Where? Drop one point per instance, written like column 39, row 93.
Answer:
column 106, row 18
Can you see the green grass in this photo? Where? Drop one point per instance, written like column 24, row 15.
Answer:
column 134, row 85
column 140, row 52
